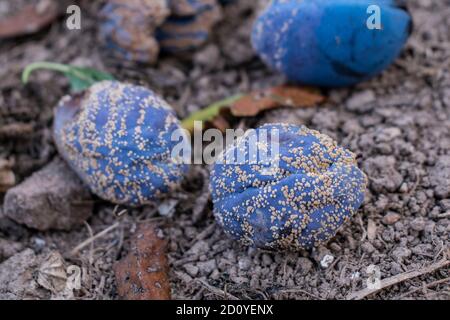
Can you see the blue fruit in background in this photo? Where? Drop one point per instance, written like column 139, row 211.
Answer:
column 328, row 42
column 118, row 138
column 189, row 26
column 128, row 26
column 190, row 7
column 137, row 30
column 298, row 204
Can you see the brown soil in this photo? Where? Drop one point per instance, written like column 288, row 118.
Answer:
column 398, row 124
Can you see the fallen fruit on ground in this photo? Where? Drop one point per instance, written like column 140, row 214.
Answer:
column 118, row 139
column 297, row 204
column 331, row 43
column 137, row 30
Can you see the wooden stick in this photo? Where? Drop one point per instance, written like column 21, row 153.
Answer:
column 217, row 291
column 427, row 286
column 93, row 238
column 388, row 282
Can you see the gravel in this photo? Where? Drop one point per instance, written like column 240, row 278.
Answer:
column 397, row 124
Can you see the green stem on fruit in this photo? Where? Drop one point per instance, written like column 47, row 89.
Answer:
column 43, row 65
column 80, row 78
column 209, row 112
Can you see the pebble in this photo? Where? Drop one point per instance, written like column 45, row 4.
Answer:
column 207, row 267
column 401, row 253
column 387, row 134
column 52, row 198
column 418, row 224
column 361, row 101
column 17, row 277
column 440, row 177
column 191, row 269
column 305, row 265
column 391, row 218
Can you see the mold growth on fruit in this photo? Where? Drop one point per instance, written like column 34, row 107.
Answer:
column 315, row 188
column 117, row 137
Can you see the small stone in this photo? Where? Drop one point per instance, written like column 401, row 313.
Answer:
column 445, row 204
column 361, row 101
column 207, row 267
column 401, row 253
column 391, row 218
column 388, row 134
column 326, row 261
column 355, row 275
column 440, row 177
column 208, row 57
column 52, row 198
column 403, row 188
column 17, row 280
column 367, row 247
column 335, row 247
column 167, row 208
column 418, row 224
column 9, row 248
column 305, row 265
column 215, row 275
column 244, row 263
column 396, row 268
column 266, row 260
column 199, row 248
column 191, row 269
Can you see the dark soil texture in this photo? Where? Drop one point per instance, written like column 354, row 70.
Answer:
column 398, row 124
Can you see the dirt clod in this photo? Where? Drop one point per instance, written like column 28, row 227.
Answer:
column 17, row 277
column 52, row 198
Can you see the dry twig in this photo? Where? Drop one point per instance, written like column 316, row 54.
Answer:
column 388, row 282
column 93, row 238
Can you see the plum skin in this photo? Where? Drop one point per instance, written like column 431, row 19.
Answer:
column 118, row 138
column 316, row 188
column 327, row 43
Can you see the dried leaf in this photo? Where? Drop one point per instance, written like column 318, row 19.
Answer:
column 30, row 19
column 281, row 96
column 143, row 273
column 52, row 273
column 253, row 104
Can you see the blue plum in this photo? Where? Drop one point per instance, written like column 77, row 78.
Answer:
column 328, row 42
column 127, row 28
column 182, row 32
column 137, row 30
column 189, row 25
column 118, row 139
column 298, row 204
